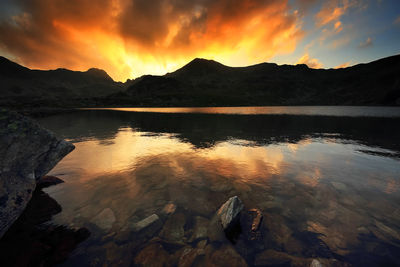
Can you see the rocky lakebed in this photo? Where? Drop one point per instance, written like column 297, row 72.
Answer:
column 151, row 223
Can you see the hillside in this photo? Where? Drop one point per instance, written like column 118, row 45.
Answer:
column 206, row 83
column 21, row 85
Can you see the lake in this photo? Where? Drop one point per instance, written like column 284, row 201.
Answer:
column 326, row 180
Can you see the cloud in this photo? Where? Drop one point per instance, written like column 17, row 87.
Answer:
column 397, row 20
column 133, row 37
column 344, row 65
column 331, row 11
column 310, row 62
column 338, row 26
column 367, row 43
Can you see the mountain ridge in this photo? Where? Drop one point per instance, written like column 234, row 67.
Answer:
column 204, row 82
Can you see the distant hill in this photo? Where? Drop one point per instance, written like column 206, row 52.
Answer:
column 22, row 85
column 207, row 83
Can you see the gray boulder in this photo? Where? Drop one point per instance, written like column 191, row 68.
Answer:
column 229, row 212
column 27, row 152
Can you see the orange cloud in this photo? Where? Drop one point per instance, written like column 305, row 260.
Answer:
column 366, row 43
column 338, row 26
column 310, row 62
column 129, row 38
column 331, row 11
column 397, row 20
column 344, row 65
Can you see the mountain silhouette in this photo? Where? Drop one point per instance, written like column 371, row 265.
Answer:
column 204, row 82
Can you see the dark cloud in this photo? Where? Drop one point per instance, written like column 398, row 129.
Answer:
column 104, row 33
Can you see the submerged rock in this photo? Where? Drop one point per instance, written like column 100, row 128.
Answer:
column 315, row 263
column 139, row 226
column 31, row 242
column 152, row 255
column 173, row 230
column 226, row 255
column 27, row 152
column 139, row 232
column 200, row 228
column 250, row 224
column 229, row 217
column 229, row 212
column 168, row 209
column 275, row 258
column 105, row 219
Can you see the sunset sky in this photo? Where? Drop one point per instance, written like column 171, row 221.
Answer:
column 129, row 38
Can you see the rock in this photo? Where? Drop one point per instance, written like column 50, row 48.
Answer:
column 229, row 212
column 168, row 209
column 27, row 152
column 250, row 224
column 200, row 228
column 191, row 257
column 339, row 186
column 30, row 242
column 315, row 263
column 152, row 255
column 215, row 232
column 140, row 231
column 272, row 257
column 139, row 226
column 47, row 181
column 105, row 219
column 173, row 230
column 202, row 243
column 226, row 255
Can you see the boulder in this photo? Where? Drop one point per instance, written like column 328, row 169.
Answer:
column 173, row 230
column 105, row 219
column 229, row 212
column 146, row 222
column 27, row 152
column 229, row 218
column 152, row 255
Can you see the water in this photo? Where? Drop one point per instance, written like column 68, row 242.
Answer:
column 328, row 186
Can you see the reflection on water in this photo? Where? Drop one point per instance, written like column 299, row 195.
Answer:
column 351, row 111
column 328, row 187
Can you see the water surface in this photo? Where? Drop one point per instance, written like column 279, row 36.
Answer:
column 328, row 186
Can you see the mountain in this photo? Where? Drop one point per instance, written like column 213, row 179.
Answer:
column 208, row 83
column 20, row 85
column 204, row 82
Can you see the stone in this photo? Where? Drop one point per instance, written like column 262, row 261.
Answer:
column 27, row 152
column 272, row 257
column 226, row 255
column 190, row 256
column 173, row 230
column 200, row 228
column 229, row 212
column 339, row 186
column 202, row 243
column 215, row 232
column 250, row 223
column 139, row 226
column 315, row 263
column 152, row 255
column 105, row 219
column 140, row 231
column 168, row 209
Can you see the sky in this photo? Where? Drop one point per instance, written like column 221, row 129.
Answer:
column 131, row 38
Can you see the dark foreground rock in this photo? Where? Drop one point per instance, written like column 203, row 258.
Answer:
column 31, row 242
column 27, row 152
